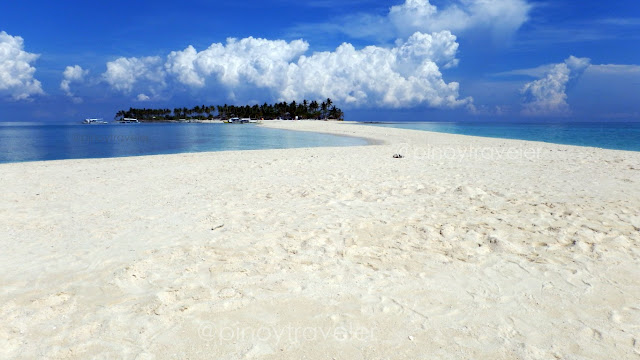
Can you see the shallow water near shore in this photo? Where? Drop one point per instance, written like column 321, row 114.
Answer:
column 34, row 142
column 610, row 135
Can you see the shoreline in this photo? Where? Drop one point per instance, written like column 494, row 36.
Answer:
column 115, row 140
column 289, row 125
column 378, row 138
column 518, row 250
column 372, row 138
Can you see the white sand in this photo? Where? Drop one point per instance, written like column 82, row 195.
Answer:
column 467, row 248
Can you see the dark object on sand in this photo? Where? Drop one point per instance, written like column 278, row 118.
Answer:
column 397, row 156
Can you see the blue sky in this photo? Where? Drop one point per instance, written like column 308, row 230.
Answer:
column 507, row 60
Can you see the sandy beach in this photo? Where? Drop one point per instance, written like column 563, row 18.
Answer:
column 465, row 248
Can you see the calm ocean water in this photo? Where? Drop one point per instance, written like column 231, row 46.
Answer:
column 19, row 142
column 31, row 142
column 611, row 135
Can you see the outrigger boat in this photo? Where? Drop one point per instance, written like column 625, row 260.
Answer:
column 129, row 121
column 236, row 120
column 94, row 121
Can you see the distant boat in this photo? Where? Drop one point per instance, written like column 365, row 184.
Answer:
column 94, row 121
column 129, row 121
column 236, row 120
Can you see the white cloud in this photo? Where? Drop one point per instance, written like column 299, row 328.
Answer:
column 547, row 96
column 406, row 75
column 123, row 73
column 259, row 61
column 537, row 72
column 143, row 97
column 16, row 72
column 72, row 74
column 615, row 69
column 501, row 17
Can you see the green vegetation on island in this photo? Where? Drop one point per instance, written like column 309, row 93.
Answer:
column 282, row 110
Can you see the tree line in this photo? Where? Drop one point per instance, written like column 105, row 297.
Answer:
column 282, row 110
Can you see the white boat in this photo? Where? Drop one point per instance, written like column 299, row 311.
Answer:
column 128, row 121
column 94, row 121
column 237, row 120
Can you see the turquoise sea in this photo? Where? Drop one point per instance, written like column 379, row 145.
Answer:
column 609, row 135
column 31, row 142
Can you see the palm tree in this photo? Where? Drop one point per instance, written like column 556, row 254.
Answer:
column 313, row 107
column 336, row 113
column 268, row 111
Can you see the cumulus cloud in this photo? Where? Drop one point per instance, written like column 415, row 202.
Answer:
column 123, row 73
column 500, row 17
column 16, row 71
column 143, row 97
column 260, row 61
column 547, row 96
column 72, row 74
column 405, row 75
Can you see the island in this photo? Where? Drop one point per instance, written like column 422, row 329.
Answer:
column 322, row 110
